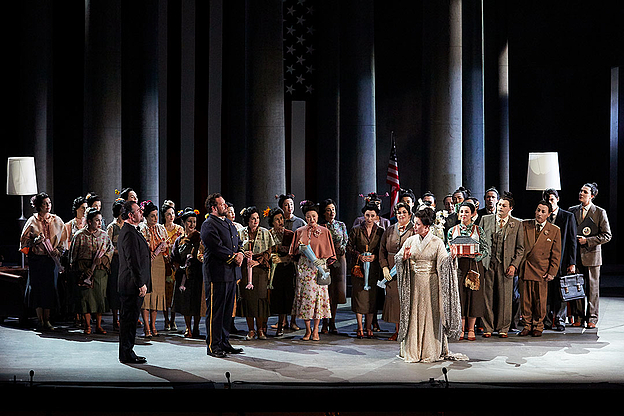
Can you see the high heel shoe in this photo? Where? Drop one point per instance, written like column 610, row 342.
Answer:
column 369, row 333
column 360, row 334
column 473, row 337
column 147, row 333
column 393, row 337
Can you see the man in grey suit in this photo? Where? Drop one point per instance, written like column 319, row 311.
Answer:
column 567, row 224
column 507, row 248
column 593, row 230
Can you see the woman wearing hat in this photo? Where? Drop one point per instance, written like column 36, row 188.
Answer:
column 363, row 247
column 187, row 257
column 311, row 299
column 156, row 236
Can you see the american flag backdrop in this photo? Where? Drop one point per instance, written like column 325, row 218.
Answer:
column 299, row 34
column 299, row 49
column 392, row 178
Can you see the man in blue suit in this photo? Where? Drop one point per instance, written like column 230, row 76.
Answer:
column 222, row 259
column 567, row 224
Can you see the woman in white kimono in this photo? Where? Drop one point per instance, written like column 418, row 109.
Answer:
column 428, row 295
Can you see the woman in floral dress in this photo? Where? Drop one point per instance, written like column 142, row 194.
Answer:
column 311, row 299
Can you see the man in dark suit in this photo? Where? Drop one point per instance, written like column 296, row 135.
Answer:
column 567, row 225
column 593, row 230
column 222, row 259
column 542, row 256
column 134, row 279
column 490, row 200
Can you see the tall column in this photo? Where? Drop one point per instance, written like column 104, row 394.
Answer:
column 215, row 92
column 140, row 97
column 35, row 115
column 266, row 140
column 473, row 156
column 102, row 101
column 187, row 104
column 496, row 92
column 328, row 99
column 443, row 82
column 357, row 107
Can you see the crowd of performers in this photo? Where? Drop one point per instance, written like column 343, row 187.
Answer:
column 438, row 273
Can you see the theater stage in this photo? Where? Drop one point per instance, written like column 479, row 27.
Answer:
column 342, row 372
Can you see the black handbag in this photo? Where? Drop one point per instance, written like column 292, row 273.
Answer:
column 571, row 287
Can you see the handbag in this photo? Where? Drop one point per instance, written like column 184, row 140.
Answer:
column 357, row 271
column 571, row 287
column 472, row 281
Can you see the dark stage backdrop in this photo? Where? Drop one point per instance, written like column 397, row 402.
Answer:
column 560, row 56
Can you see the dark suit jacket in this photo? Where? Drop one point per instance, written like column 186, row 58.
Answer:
column 542, row 256
column 591, row 253
column 221, row 244
column 482, row 213
column 135, row 261
column 567, row 225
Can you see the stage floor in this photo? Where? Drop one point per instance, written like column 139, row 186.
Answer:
column 66, row 358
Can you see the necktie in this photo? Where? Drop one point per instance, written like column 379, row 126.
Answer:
column 538, row 229
column 551, row 218
column 583, row 213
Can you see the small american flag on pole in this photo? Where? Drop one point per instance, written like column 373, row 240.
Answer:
column 392, row 177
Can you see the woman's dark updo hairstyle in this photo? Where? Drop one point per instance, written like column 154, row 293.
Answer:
column 186, row 214
column 282, row 198
column 407, row 193
column 148, row 207
column 370, row 206
column 92, row 198
column 77, row 204
column 273, row 213
column 166, row 206
column 470, row 205
column 426, row 215
column 309, row 205
column 92, row 213
column 246, row 214
column 593, row 186
column 465, row 192
column 37, row 201
column 327, row 202
column 117, row 207
column 125, row 193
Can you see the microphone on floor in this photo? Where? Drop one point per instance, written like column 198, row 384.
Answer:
column 229, row 382
column 445, row 371
column 32, row 376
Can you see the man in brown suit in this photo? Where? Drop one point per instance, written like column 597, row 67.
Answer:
column 542, row 255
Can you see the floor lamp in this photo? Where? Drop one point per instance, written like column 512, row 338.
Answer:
column 21, row 180
column 543, row 171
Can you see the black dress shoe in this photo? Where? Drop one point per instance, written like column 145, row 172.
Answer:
column 559, row 328
column 217, row 354
column 230, row 349
column 135, row 360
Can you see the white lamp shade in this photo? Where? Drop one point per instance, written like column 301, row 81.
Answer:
column 21, row 176
column 543, row 171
